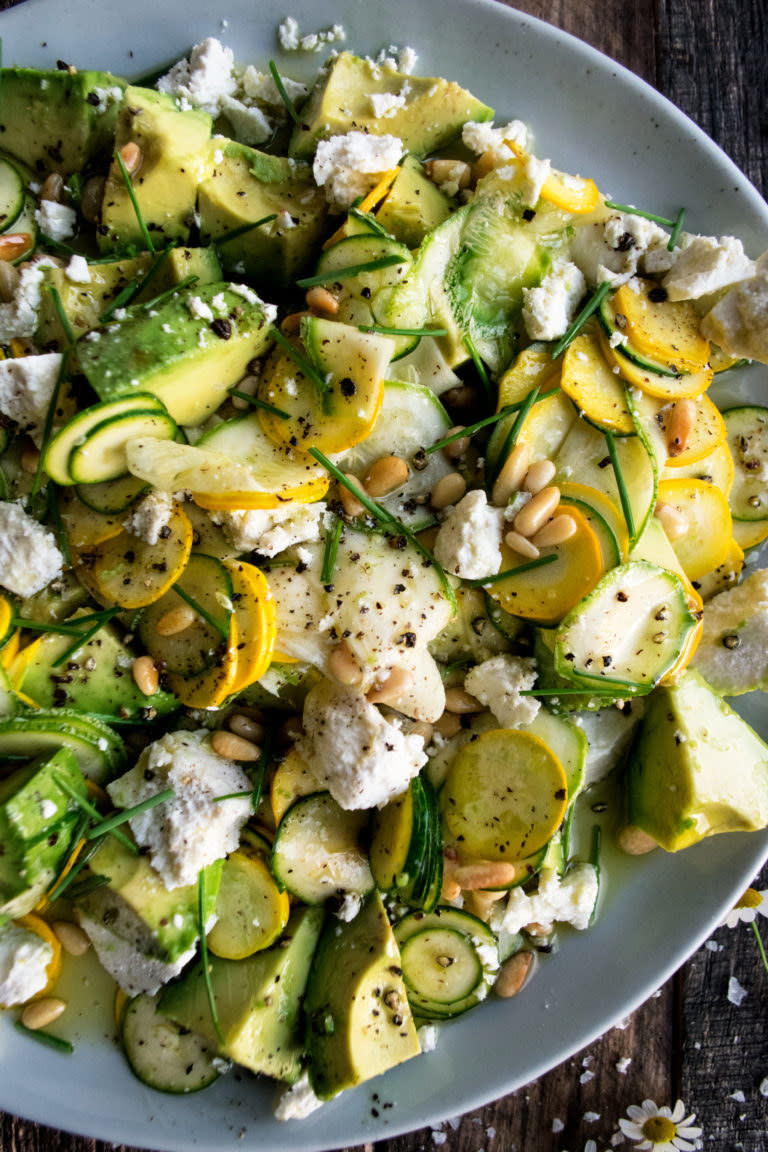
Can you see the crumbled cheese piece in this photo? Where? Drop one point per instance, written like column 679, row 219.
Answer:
column 288, row 34
column 204, row 79
column 739, row 322
column 549, row 308
column 484, row 139
column 272, row 530
column 29, row 556
column 498, row 682
column 740, row 612
column 406, row 60
column 26, row 389
column 736, row 992
column 468, row 543
column 249, row 124
column 188, row 831
column 77, row 271
column 363, row 759
column 105, row 97
column 150, row 516
column 132, row 969
column 535, row 173
column 427, row 1034
column 199, row 309
column 610, row 249
column 291, row 40
column 18, row 317
column 385, row 104
column 297, row 1101
column 569, row 899
column 707, row 265
column 348, row 166
column 58, row 221
column 349, row 908
column 261, row 86
column 622, row 1065
column 24, row 959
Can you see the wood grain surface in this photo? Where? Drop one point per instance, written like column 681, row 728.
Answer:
column 689, row 1040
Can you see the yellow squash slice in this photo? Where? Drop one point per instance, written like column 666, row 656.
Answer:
column 750, row 533
column 533, row 367
column 293, row 779
column 724, row 576
column 689, row 385
column 707, row 434
column 585, row 497
column 707, row 542
column 211, row 687
column 84, row 527
column 252, row 911
column 668, row 331
column 595, row 389
column 256, row 618
column 6, row 615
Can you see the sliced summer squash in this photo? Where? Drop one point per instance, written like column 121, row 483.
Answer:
column 162, row 1054
column 668, row 331
column 436, row 989
column 73, row 435
column 252, row 911
column 318, row 850
column 211, row 687
column 196, row 647
column 603, row 516
column 292, row 779
column 256, row 617
column 533, row 367
column 717, row 467
column 84, row 527
column 747, row 429
column 706, row 543
column 597, row 392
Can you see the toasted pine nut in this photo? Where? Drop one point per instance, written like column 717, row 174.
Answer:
column 512, row 974
column 451, row 890
column 443, row 171
column 458, row 700
column 539, row 475
column 350, row 503
column 423, row 729
column 448, row 725
column 673, row 522
column 244, row 725
column 9, row 281
column 233, row 747
column 30, row 458
column 680, row 425
column 456, row 449
column 398, row 681
column 248, row 384
column 385, row 474
column 480, row 903
column 537, row 511
column 448, row 490
column 53, row 187
column 145, row 675
column 343, row 665
column 41, row 1013
column 462, row 397
column 290, row 325
column 13, row 244
column 71, row 937
column 176, row 620
column 512, row 475
column 319, row 299
column 485, row 874
column 91, row 200
column 131, row 156
column 555, row 531
column 483, row 165
column 521, row 545
column 635, row 842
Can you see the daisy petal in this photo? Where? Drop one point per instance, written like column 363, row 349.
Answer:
column 634, row 1131
column 683, row 1145
column 677, row 1113
column 649, row 1107
column 638, row 1114
column 689, row 1131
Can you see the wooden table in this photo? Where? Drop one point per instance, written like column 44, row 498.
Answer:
column 688, row 1040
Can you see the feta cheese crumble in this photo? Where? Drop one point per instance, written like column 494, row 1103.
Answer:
column 77, row 271
column 569, row 900
column 18, row 317
column 297, row 1101
column 57, row 221
column 610, row 249
column 27, row 384
column 291, row 39
column 485, row 140
column 707, row 265
column 549, row 308
column 29, row 555
column 468, row 543
column 348, row 166
column 272, row 530
column 24, row 960
column 498, row 682
column 739, row 322
column 204, row 79
column 150, row 516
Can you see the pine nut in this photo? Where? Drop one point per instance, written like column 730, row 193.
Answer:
column 679, row 426
column 344, row 666
column 539, row 475
column 536, row 929
column 512, row 974
column 321, row 300
column 243, row 725
column 131, row 156
column 448, row 490
column 13, row 244
column 351, row 505
column 176, row 620
column 249, row 385
column 457, row 448
column 485, row 874
column 145, row 675
column 480, row 903
column 71, row 937
column 556, row 531
column 290, row 325
column 41, row 1013
column 673, row 522
column 451, row 890
column 9, row 281
column 483, row 165
column 442, row 171
column 399, row 681
column 536, row 512
column 512, row 475
column 458, row 700
column 53, row 187
column 521, row 545
column 448, row 725
column 635, row 842
column 423, row 729
column 91, row 200
column 463, row 397
column 384, row 475
column 233, row 747
column 29, row 459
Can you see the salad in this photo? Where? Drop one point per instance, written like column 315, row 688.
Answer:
column 365, row 504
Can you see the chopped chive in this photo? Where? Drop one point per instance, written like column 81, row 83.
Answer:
column 187, row 282
column 224, row 632
column 371, row 222
column 591, row 306
column 621, row 484
column 204, row 953
column 351, row 270
column 588, row 690
column 760, row 946
column 232, row 796
column 529, row 566
column 56, row 245
column 101, row 619
column 45, row 626
column 134, row 202
column 469, row 430
column 261, row 768
column 675, row 236
column 594, row 856
column 479, row 366
column 85, row 887
column 90, row 811
column 66, row 881
column 125, row 814
column 305, row 365
column 565, row 838
column 61, row 534
column 639, row 212
column 63, row 318
column 290, row 107
column 234, row 233
column 4, row 919
column 254, row 400
column 60, row 375
column 512, row 435
column 132, row 290
column 383, row 330
column 46, row 1038
column 331, row 551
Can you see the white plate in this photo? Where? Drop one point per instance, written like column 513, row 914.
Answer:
column 591, row 116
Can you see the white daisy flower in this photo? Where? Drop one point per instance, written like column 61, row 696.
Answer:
column 745, row 912
column 660, row 1129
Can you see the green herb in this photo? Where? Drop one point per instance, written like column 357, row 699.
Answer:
column 4, row 919
column 134, row 202
column 65, row 881
column 621, row 484
column 591, row 306
column 261, row 767
column 479, row 366
column 673, row 239
column 254, row 400
column 512, row 435
column 187, row 282
column 101, row 619
column 63, row 318
column 90, row 811
column 351, row 270
column 61, row 534
column 305, row 365
column 75, row 187
column 232, row 796
column 205, row 615
column 609, row 694
column 132, row 290
column 468, row 431
column 47, row 241
column 45, row 626
column 204, row 954
column 331, row 551
column 594, row 856
column 565, row 838
column 85, row 887
column 290, row 107
column 234, row 233
column 639, row 212
column 383, row 330
column 529, row 566
column 45, row 1038
column 125, row 814
column 760, row 946
column 370, row 222
column 60, row 376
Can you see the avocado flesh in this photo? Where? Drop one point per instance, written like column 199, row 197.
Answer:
column 187, row 361
column 183, row 262
column 413, row 206
column 174, row 152
column 434, row 112
column 359, row 1022
column 35, row 844
column 246, row 185
column 51, row 119
column 84, row 303
column 696, row 768
column 258, row 1000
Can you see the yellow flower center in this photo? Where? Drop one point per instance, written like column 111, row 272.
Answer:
column 750, row 899
column 658, row 1129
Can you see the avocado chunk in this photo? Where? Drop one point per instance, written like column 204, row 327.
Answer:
column 359, row 1022
column 84, row 303
column 181, row 263
column 246, row 186
column 174, row 152
column 413, row 205
column 37, row 821
column 258, row 1000
column 696, row 768
column 432, row 111
column 58, row 121
column 188, row 350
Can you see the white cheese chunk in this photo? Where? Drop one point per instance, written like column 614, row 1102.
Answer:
column 132, row 970
column 27, row 384
column 150, row 516
column 484, row 139
column 297, row 1101
column 77, row 271
column 707, row 265
column 58, row 221
column 249, row 124
column 348, row 166
column 549, row 308
column 272, row 530
column 610, row 249
column 565, row 900
column 29, row 556
column 498, row 682
column 18, row 317
column 261, row 86
column 468, row 543
column 24, row 960
column 204, row 79
column 740, row 616
column 739, row 322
